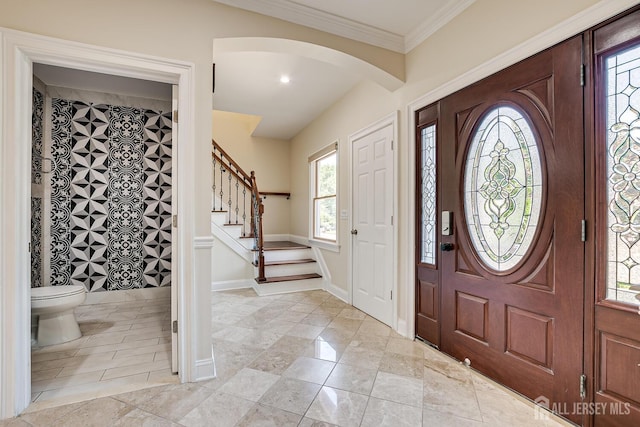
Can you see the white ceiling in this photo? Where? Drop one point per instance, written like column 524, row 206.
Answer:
column 248, row 82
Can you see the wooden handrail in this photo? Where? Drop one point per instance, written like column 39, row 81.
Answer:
column 275, row 193
column 246, row 176
column 235, row 175
column 257, row 208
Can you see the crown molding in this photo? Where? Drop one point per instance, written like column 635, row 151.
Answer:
column 323, row 21
column 320, row 20
column 434, row 23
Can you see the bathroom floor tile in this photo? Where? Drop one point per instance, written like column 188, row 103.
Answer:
column 116, row 353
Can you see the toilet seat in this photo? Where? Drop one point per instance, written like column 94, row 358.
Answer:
column 52, row 292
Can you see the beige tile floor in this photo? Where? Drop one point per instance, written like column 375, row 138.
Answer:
column 125, row 346
column 307, row 359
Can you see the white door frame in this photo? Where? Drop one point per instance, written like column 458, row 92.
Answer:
column 391, row 119
column 19, row 51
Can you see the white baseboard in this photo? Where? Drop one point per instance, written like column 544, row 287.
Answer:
column 299, row 239
column 277, row 238
column 205, row 369
column 277, row 288
column 127, row 295
column 338, row 292
column 402, row 328
column 227, row 285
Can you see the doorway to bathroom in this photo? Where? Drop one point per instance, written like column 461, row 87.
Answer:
column 101, row 218
column 20, row 51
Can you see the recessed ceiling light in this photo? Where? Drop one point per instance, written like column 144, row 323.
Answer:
column 285, row 79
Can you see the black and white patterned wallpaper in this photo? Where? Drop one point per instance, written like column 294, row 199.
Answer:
column 110, row 196
column 36, row 178
column 36, row 242
column 37, row 131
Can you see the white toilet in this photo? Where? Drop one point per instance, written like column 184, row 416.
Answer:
column 54, row 307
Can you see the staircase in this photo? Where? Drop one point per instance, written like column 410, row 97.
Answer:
column 279, row 266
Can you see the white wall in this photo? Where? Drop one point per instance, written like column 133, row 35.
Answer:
column 364, row 104
column 228, row 266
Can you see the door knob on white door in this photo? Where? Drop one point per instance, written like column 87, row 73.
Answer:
column 354, row 231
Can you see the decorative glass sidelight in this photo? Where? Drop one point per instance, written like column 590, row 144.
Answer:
column 502, row 188
column 623, row 175
column 428, row 173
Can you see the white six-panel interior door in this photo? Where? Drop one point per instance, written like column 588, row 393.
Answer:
column 372, row 225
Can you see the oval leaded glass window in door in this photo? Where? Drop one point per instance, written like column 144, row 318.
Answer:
column 623, row 175
column 502, row 188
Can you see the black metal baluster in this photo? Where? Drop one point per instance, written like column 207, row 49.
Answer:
column 237, row 191
column 214, row 179
column 244, row 210
column 230, row 203
column 221, row 181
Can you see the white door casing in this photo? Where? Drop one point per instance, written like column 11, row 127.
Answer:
column 18, row 52
column 174, row 216
column 372, row 227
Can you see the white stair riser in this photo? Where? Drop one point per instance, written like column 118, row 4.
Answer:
column 219, row 218
column 286, row 287
column 248, row 243
column 234, row 231
column 290, row 269
column 287, row 255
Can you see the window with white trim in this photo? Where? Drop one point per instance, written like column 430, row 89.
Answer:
column 323, row 169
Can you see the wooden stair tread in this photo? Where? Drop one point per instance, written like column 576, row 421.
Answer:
column 231, row 224
column 290, row 278
column 282, row 245
column 293, row 261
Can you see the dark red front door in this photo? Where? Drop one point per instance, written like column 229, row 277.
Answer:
column 512, row 173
